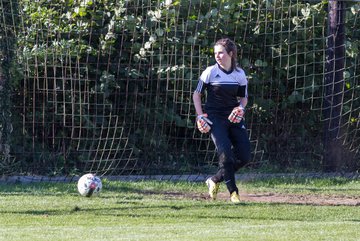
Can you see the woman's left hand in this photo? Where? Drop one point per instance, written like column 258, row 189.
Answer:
column 237, row 114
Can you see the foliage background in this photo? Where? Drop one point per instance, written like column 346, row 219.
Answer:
column 105, row 86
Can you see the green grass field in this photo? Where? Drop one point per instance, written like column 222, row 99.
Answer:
column 154, row 210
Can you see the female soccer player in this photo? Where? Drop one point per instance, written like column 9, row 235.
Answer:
column 226, row 87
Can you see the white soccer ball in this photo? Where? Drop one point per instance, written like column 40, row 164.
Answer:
column 89, row 185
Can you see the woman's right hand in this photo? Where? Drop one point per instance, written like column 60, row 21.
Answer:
column 203, row 123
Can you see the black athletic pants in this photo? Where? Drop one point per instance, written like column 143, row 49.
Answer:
column 233, row 149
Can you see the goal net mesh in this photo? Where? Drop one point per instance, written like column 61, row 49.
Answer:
column 106, row 86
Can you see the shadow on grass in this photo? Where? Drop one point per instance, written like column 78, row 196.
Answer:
column 194, row 210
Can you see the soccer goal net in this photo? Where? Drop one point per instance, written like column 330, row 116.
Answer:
column 106, row 86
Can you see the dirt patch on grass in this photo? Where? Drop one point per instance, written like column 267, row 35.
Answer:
column 305, row 199
column 300, row 199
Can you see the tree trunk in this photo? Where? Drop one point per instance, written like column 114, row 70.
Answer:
column 334, row 86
